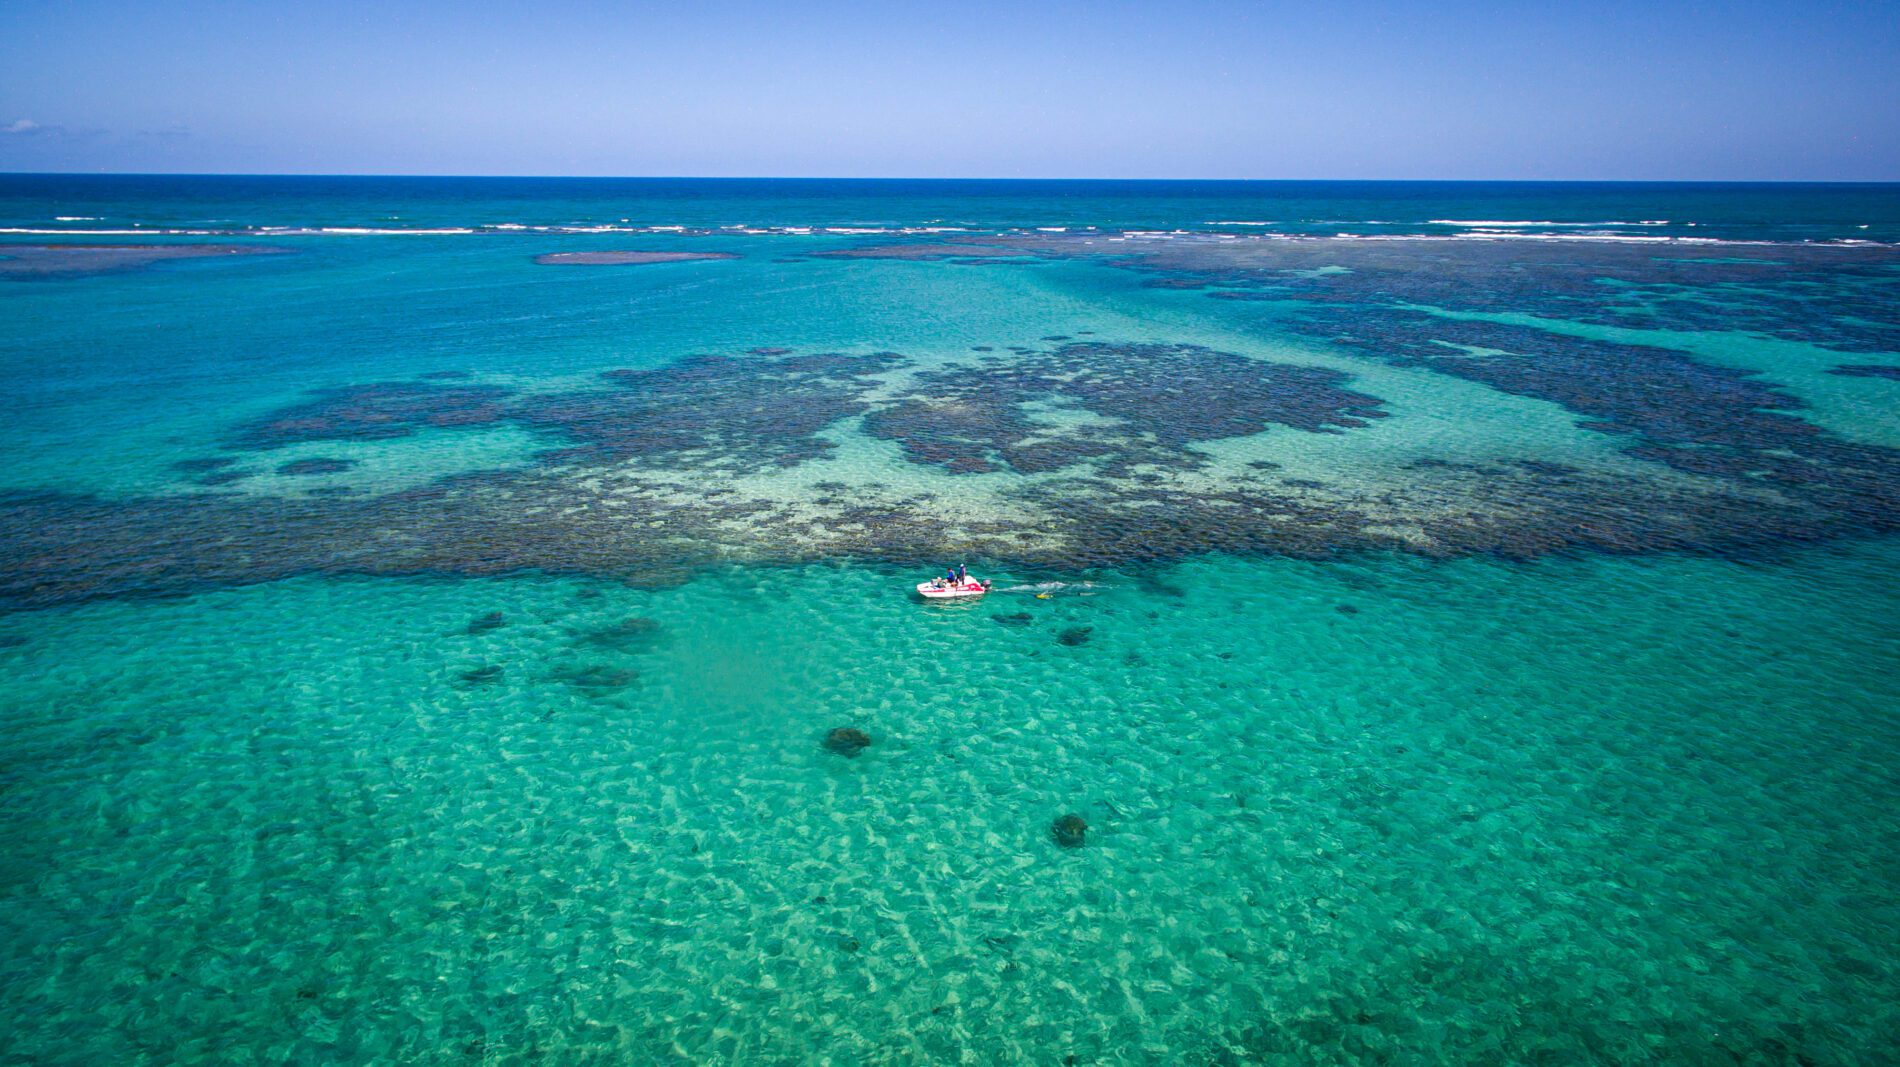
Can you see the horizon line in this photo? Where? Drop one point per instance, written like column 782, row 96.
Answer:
column 937, row 178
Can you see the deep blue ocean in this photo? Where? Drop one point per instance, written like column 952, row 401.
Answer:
column 1461, row 617
column 1732, row 211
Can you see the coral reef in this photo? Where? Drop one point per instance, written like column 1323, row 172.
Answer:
column 847, row 741
column 1070, row 831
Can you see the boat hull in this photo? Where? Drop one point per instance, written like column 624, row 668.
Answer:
column 932, row 591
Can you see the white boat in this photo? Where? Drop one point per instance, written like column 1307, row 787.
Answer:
column 942, row 590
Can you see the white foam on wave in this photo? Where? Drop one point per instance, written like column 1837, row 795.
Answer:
column 1083, row 588
column 1498, row 235
column 1605, row 238
column 76, row 218
column 69, row 232
column 1473, row 230
column 1528, row 223
column 380, row 231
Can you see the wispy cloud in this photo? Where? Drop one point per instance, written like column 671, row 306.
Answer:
column 24, row 128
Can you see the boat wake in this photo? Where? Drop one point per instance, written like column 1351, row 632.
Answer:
column 1051, row 588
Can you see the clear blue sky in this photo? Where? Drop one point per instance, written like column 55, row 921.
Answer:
column 1313, row 89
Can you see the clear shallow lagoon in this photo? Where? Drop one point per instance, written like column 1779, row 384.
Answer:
column 1462, row 647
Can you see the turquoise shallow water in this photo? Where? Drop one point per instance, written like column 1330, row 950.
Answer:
column 1571, row 810
column 1469, row 639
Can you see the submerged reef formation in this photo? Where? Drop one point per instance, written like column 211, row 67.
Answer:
column 374, row 412
column 627, row 635
column 73, row 261
column 479, row 676
column 1066, row 454
column 595, row 680
column 708, row 412
column 1671, row 409
column 847, row 741
column 1070, row 831
column 1868, row 370
column 316, row 465
column 1148, row 402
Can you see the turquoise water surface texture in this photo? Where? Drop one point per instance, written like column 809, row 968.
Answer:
column 1431, row 623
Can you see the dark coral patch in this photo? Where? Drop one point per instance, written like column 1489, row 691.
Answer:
column 709, row 411
column 726, row 412
column 479, row 676
column 74, row 261
column 377, row 411
column 1154, row 399
column 596, row 680
column 1075, row 635
column 1070, row 831
column 1698, row 418
column 627, row 635
column 494, row 620
column 846, row 741
column 1868, row 370
column 318, row 465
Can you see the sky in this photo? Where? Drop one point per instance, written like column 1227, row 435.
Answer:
column 1661, row 90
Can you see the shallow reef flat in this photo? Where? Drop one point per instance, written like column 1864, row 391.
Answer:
column 1437, row 397
column 75, row 260
column 1073, row 455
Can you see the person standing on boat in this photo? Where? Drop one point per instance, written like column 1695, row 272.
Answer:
column 963, row 574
